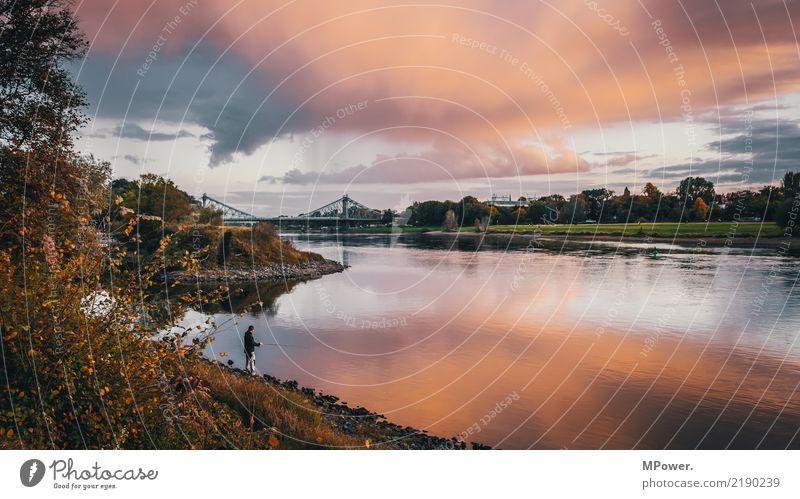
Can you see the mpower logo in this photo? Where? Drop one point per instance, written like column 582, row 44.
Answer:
column 31, row 472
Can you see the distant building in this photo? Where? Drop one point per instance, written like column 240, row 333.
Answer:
column 506, row 201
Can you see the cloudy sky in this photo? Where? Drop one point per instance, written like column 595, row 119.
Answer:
column 280, row 106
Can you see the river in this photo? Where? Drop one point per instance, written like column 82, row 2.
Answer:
column 542, row 346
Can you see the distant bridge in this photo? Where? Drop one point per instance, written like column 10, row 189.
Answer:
column 345, row 212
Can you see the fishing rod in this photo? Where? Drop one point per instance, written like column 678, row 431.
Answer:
column 280, row 345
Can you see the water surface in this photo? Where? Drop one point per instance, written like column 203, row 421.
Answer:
column 556, row 346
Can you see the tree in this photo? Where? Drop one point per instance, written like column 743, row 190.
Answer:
column 552, row 206
column 519, row 215
column 428, row 213
column 691, row 188
column 450, row 221
column 574, row 211
column 471, row 211
column 790, row 184
column 388, row 216
column 539, row 214
column 786, row 214
column 40, row 106
column 42, row 180
column 699, row 209
column 650, row 190
column 595, row 200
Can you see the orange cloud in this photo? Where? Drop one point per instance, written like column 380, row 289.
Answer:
column 519, row 71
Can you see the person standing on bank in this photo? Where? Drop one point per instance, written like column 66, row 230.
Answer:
column 250, row 345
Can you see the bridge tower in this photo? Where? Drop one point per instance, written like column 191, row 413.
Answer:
column 345, row 207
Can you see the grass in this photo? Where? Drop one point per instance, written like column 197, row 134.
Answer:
column 298, row 421
column 245, row 247
column 659, row 229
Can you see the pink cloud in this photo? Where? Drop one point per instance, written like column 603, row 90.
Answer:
column 483, row 71
column 623, row 160
column 448, row 162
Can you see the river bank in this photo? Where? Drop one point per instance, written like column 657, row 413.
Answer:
column 714, row 241
column 265, row 274
column 367, row 429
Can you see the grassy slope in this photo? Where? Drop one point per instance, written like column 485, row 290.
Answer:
column 298, row 423
column 268, row 413
column 259, row 247
column 247, row 247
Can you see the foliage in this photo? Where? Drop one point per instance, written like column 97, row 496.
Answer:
column 787, row 213
column 160, row 209
column 692, row 188
column 154, row 197
column 83, row 361
column 694, row 199
column 595, row 200
column 699, row 209
column 790, row 184
column 269, row 411
column 261, row 245
column 574, row 211
column 40, row 106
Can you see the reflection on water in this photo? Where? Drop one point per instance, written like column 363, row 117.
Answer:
column 552, row 346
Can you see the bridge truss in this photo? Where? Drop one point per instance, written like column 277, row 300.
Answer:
column 345, row 212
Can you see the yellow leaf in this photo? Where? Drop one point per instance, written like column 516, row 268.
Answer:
column 366, row 443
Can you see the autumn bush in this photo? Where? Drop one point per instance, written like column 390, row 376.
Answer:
column 94, row 357
column 262, row 245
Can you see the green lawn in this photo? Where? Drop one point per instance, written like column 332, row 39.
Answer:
column 662, row 229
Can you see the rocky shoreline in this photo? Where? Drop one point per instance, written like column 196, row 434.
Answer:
column 359, row 421
column 270, row 273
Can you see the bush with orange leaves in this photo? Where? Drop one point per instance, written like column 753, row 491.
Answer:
column 85, row 363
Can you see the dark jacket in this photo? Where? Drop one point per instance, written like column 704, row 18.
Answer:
column 250, row 342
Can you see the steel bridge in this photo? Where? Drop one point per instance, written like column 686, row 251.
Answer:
column 344, row 212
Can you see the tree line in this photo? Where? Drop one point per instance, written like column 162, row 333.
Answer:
column 694, row 200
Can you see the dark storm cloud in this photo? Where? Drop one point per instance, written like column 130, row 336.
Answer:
column 136, row 160
column 757, row 151
column 189, row 86
column 136, row 132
